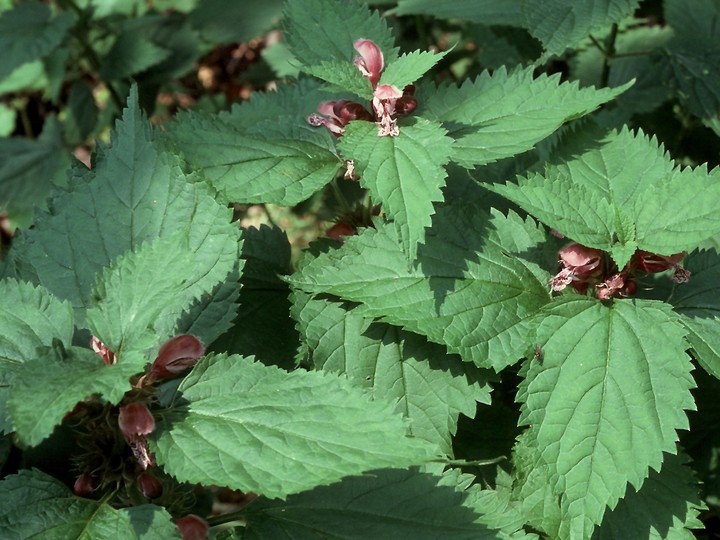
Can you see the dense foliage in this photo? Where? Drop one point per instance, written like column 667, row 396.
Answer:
column 506, row 327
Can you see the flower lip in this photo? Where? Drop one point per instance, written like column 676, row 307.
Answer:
column 176, row 355
column 135, row 419
column 371, row 61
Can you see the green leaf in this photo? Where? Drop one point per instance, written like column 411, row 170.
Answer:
column 31, row 318
column 289, row 105
column 319, row 30
column 464, row 292
column 141, row 296
column 134, row 193
column 560, row 24
column 131, row 53
column 263, row 327
column 431, row 387
column 606, row 401
column 28, row 168
column 250, row 167
column 624, row 182
column 503, row 114
column 28, row 32
column 490, row 12
column 409, row 67
column 219, row 21
column 666, row 506
column 698, row 304
column 52, row 383
column 63, row 516
column 695, row 55
column 288, row 432
column 405, row 173
column 342, row 76
column 82, row 113
column 383, row 504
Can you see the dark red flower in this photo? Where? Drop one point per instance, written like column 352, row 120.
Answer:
column 193, row 527
column 84, row 485
column 149, row 485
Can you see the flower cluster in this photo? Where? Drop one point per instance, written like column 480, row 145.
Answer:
column 582, row 267
column 388, row 103
column 106, row 446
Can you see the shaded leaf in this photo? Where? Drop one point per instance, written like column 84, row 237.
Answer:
column 386, row 503
column 431, row 387
column 49, row 386
column 29, row 31
column 464, row 292
column 65, row 516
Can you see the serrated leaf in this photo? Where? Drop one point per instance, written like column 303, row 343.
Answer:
column 319, row 30
column 629, row 176
column 65, row 379
column 560, row 24
column 288, row 433
column 666, row 506
column 463, row 292
column 289, row 105
column 405, row 173
column 431, row 387
column 490, row 12
column 29, row 31
column 82, row 113
column 409, row 67
column 503, row 114
column 28, row 168
column 30, row 318
column 606, row 401
column 135, row 192
column 249, row 167
column 63, row 516
column 383, row 504
column 342, row 76
column 141, row 296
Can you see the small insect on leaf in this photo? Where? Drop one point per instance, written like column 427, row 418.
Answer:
column 539, row 355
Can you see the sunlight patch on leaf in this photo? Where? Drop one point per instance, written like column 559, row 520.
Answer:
column 241, row 424
column 606, row 401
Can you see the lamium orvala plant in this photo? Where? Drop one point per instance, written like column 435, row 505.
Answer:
column 507, row 330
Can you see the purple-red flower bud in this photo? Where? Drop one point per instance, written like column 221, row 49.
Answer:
column 149, row 485
column 102, row 351
column 135, row 419
column 84, row 485
column 193, row 527
column 175, row 356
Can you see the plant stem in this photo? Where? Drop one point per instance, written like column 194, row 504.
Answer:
column 238, row 515
column 80, row 34
column 609, row 54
